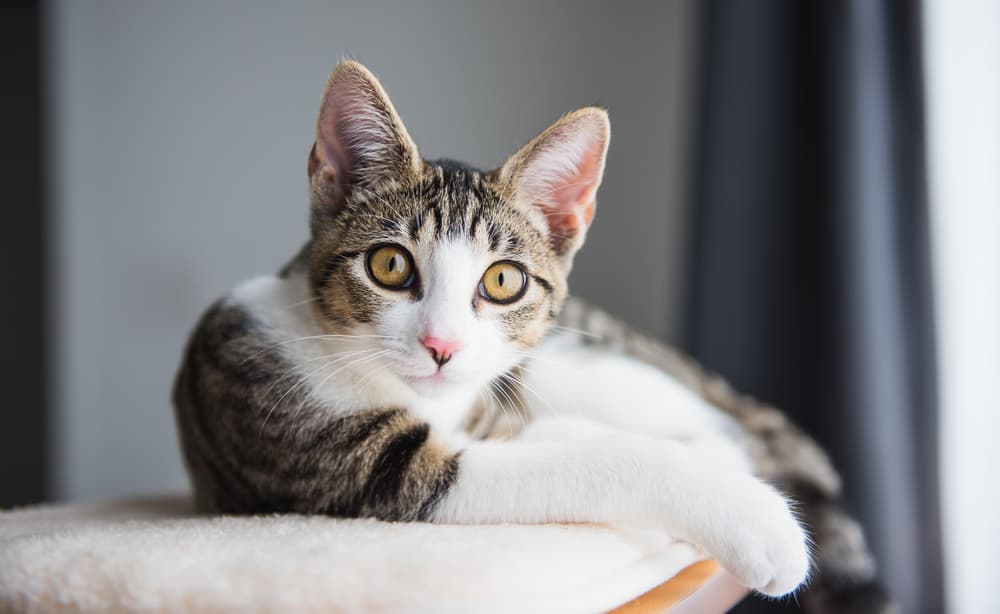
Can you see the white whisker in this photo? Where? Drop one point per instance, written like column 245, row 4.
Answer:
column 299, row 383
column 297, row 304
column 290, row 370
column 351, row 364
column 578, row 331
column 497, row 409
column 313, row 337
column 520, row 381
column 509, row 394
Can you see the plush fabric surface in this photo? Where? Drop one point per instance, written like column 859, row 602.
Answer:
column 158, row 555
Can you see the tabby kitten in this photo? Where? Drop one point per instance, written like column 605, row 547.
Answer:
column 407, row 365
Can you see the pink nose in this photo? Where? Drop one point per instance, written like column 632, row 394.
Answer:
column 441, row 349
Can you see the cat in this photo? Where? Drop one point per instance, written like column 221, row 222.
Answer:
column 420, row 360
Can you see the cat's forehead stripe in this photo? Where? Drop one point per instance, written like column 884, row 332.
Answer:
column 415, row 223
column 448, row 201
column 457, row 199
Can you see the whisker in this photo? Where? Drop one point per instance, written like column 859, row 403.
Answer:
column 520, row 381
column 529, row 357
column 498, row 410
column 314, row 359
column 508, row 393
column 312, row 337
column 579, row 331
column 308, row 300
column 296, row 385
column 479, row 429
column 353, row 363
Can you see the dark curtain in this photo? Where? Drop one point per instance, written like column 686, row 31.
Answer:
column 23, row 441
column 809, row 271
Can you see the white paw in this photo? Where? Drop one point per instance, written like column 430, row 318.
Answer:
column 759, row 540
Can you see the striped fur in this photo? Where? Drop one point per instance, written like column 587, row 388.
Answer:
column 244, row 457
column 310, row 391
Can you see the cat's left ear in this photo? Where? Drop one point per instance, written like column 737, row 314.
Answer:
column 360, row 140
column 555, row 177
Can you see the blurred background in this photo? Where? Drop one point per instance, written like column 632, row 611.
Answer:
column 805, row 196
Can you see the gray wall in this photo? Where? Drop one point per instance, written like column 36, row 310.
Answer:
column 179, row 150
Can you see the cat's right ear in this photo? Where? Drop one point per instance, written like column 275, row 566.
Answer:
column 360, row 140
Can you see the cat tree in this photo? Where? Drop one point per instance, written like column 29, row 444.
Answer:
column 158, row 555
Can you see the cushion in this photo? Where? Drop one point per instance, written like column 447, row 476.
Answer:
column 157, row 554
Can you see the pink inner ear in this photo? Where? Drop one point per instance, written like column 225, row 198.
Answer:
column 570, row 205
column 356, row 137
column 331, row 149
column 340, row 110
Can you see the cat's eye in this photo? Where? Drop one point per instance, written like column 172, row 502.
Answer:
column 390, row 266
column 504, row 282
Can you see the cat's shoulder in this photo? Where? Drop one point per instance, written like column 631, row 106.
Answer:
column 269, row 293
column 262, row 307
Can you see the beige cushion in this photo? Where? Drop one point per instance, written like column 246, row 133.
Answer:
column 157, row 555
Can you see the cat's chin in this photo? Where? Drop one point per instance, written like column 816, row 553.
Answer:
column 439, row 383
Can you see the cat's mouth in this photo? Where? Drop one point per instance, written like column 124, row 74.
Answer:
column 438, row 377
column 427, row 380
column 434, row 382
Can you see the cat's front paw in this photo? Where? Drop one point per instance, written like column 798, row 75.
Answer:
column 761, row 542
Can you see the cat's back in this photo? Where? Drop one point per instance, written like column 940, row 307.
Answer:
column 596, row 328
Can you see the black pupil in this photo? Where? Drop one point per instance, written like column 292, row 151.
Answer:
column 392, row 263
column 500, row 278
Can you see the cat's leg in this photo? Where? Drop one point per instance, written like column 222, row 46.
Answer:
column 633, row 392
column 777, row 450
column 597, row 474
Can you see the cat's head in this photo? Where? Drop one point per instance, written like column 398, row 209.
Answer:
column 454, row 271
